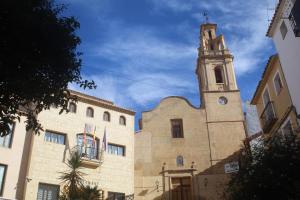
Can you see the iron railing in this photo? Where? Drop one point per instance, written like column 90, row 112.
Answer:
column 268, row 117
column 87, row 152
column 294, row 18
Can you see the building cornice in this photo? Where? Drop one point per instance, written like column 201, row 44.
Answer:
column 100, row 102
column 275, row 19
column 264, row 79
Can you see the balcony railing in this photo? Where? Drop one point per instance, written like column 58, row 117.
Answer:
column 294, row 18
column 86, row 152
column 268, row 117
column 214, row 52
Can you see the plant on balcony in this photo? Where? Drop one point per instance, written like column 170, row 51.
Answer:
column 270, row 171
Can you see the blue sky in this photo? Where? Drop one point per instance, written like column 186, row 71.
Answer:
column 140, row 51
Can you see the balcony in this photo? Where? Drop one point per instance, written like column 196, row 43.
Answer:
column 90, row 156
column 268, row 117
column 294, row 18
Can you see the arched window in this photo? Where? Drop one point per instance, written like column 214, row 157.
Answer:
column 89, row 112
column 87, row 146
column 72, row 107
column 179, row 161
column 122, row 120
column 106, row 116
column 219, row 74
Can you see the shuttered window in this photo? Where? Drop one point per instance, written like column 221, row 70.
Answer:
column 48, row 192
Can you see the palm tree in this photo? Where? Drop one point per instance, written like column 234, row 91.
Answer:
column 73, row 178
column 90, row 193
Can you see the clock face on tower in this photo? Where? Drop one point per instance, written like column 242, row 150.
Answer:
column 222, row 100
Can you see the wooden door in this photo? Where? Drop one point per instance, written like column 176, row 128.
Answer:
column 181, row 188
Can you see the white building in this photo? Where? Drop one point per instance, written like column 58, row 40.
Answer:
column 285, row 32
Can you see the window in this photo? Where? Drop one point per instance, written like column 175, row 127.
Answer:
column 54, row 137
column 283, row 30
column 287, row 128
column 211, row 46
column 2, row 177
column 209, row 34
column 122, row 120
column 219, row 74
column 106, row 116
column 277, row 83
column 89, row 112
column 116, row 196
column 266, row 97
column 87, row 146
column 72, row 107
column 116, row 149
column 177, row 128
column 179, row 161
column 47, row 192
column 6, row 141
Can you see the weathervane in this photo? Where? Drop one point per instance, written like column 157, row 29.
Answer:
column 205, row 14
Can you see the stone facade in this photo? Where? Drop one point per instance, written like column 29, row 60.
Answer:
column 211, row 135
column 113, row 173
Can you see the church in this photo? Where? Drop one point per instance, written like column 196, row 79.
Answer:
column 183, row 152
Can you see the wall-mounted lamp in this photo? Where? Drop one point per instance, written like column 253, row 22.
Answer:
column 157, row 185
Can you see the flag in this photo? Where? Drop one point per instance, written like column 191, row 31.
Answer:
column 104, row 141
column 94, row 137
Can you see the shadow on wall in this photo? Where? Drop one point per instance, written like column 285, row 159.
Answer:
column 209, row 184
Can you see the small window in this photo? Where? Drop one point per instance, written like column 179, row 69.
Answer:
column 287, row 128
column 266, row 97
column 72, row 107
column 179, row 161
column 177, row 128
column 122, row 120
column 54, row 137
column 116, row 149
column 283, row 30
column 211, row 46
column 2, row 177
column 219, row 74
column 89, row 112
column 106, row 116
column 47, row 191
column 115, row 196
column 277, row 83
column 209, row 34
column 6, row 141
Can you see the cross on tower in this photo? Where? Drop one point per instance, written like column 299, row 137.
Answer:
column 205, row 14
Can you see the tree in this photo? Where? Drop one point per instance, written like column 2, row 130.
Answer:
column 38, row 59
column 74, row 189
column 73, row 178
column 271, row 171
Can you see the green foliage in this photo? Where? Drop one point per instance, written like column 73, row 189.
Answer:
column 271, row 171
column 73, row 178
column 38, row 59
column 90, row 193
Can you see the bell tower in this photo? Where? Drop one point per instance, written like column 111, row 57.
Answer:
column 220, row 97
column 215, row 63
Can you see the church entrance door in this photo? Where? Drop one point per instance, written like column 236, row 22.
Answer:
column 181, row 188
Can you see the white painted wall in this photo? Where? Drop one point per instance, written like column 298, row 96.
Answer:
column 289, row 55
